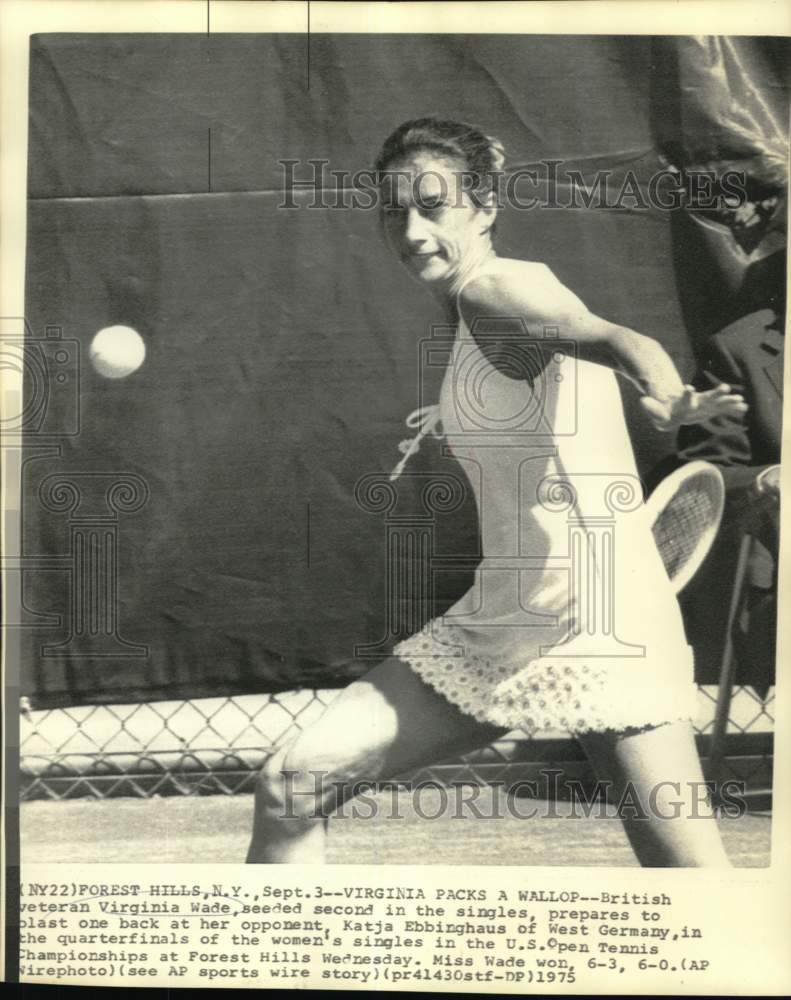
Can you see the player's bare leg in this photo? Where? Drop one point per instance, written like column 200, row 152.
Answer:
column 377, row 727
column 660, row 768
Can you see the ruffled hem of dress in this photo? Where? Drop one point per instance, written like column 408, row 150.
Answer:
column 550, row 692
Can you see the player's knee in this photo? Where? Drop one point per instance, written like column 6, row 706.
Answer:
column 291, row 787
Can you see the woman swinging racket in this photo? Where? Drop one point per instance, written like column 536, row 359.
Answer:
column 513, row 653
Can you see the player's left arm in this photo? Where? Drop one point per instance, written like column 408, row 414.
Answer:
column 541, row 301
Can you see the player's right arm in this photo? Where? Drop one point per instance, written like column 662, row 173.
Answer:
column 536, row 296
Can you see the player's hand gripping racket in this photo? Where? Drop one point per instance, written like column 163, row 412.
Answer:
column 685, row 511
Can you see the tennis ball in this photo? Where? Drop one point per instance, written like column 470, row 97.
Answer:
column 117, row 351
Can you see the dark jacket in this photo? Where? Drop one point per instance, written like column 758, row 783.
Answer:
column 748, row 355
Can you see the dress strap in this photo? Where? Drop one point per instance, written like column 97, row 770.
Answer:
column 425, row 418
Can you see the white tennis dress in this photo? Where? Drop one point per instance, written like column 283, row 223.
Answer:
column 572, row 622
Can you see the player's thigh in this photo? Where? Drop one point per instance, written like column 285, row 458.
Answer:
column 384, row 723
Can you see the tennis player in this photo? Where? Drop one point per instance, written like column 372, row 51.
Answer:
column 518, row 650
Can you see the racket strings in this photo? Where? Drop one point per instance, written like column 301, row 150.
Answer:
column 684, row 526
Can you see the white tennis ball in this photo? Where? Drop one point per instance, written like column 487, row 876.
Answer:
column 117, row 351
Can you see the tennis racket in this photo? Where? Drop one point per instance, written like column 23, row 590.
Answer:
column 685, row 511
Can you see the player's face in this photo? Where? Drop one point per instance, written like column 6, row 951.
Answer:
column 430, row 221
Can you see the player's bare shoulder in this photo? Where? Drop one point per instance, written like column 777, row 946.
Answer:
column 509, row 275
column 501, row 309
column 523, row 288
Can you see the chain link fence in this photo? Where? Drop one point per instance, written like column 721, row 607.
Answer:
column 212, row 746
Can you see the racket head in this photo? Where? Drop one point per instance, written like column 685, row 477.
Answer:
column 685, row 511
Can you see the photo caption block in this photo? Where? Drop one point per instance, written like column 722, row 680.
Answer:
column 423, row 929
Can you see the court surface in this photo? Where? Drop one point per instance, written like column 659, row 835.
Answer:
column 215, row 829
